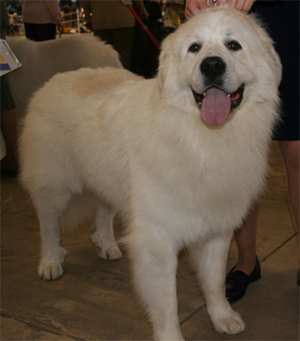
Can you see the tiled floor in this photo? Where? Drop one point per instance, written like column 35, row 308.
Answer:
column 94, row 300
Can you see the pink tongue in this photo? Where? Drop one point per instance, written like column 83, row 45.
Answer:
column 215, row 107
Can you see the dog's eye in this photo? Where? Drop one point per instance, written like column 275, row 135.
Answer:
column 233, row 45
column 194, row 48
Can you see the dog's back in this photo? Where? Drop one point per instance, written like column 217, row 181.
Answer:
column 42, row 60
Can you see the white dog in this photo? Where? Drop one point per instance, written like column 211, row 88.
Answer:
column 181, row 157
column 42, row 60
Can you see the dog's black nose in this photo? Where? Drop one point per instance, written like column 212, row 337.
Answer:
column 212, row 67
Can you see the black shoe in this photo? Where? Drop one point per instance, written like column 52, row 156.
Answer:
column 237, row 282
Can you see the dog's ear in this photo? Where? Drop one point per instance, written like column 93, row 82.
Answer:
column 160, row 75
column 162, row 69
column 166, row 59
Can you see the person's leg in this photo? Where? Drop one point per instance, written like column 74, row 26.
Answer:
column 247, row 269
column 40, row 32
column 47, row 32
column 105, row 35
column 9, row 129
column 31, row 31
column 246, row 236
column 290, row 152
column 123, row 42
column 246, row 239
column 9, row 164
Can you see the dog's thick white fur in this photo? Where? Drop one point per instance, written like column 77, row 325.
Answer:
column 144, row 149
column 42, row 60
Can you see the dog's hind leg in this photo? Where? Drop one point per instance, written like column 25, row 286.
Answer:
column 210, row 261
column 103, row 237
column 50, row 206
column 154, row 260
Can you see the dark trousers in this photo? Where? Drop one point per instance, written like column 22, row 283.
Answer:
column 122, row 40
column 40, row 32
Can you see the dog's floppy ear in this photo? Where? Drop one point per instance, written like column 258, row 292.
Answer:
column 162, row 58
column 165, row 60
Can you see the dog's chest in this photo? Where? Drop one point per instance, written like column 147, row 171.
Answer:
column 197, row 195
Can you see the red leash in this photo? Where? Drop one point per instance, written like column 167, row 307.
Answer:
column 144, row 27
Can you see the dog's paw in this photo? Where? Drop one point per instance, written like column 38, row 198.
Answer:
column 231, row 323
column 51, row 269
column 107, row 249
column 112, row 252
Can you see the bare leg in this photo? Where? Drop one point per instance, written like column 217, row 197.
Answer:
column 246, row 240
column 290, row 152
column 246, row 236
column 9, row 131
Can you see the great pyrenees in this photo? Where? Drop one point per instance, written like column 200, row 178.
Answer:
column 42, row 60
column 181, row 157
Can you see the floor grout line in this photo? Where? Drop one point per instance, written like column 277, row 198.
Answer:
column 191, row 315
column 278, row 247
column 39, row 328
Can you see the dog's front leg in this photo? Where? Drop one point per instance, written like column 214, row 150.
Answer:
column 210, row 259
column 154, row 268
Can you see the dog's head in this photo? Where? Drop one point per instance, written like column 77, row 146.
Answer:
column 216, row 62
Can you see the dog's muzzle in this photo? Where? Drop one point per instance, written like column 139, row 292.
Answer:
column 213, row 69
column 216, row 104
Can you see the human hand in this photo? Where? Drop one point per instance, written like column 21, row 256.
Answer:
column 144, row 14
column 242, row 5
column 193, row 6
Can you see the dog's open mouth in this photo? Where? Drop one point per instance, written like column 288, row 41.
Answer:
column 216, row 105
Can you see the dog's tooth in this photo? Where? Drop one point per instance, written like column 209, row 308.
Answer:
column 228, row 95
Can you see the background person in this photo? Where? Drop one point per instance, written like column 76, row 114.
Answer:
column 113, row 23
column 9, row 154
column 40, row 18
